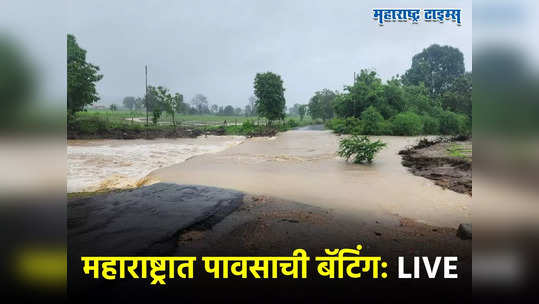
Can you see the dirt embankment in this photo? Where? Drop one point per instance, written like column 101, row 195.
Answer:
column 166, row 132
column 447, row 161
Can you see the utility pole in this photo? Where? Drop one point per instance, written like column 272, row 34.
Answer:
column 354, row 78
column 146, row 94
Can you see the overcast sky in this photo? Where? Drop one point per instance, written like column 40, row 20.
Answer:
column 216, row 47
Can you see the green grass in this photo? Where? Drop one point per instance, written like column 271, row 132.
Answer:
column 181, row 119
column 106, row 121
column 457, row 150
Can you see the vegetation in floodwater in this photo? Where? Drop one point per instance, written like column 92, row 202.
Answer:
column 360, row 148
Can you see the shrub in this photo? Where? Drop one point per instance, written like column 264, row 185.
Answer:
column 407, row 123
column 292, row 123
column 371, row 121
column 431, row 125
column 347, row 125
column 386, row 128
column 453, row 124
column 359, row 147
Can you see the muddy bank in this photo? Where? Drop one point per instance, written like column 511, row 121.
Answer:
column 129, row 133
column 448, row 162
column 164, row 132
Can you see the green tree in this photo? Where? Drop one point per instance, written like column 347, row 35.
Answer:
column 139, row 103
column 436, row 67
column 200, row 103
column 129, row 102
column 228, row 111
column 417, row 100
column 366, row 91
column 321, row 104
column 113, row 107
column 269, row 91
column 81, row 78
column 181, row 107
column 168, row 102
column 392, row 101
column 154, row 104
column 458, row 98
column 302, row 110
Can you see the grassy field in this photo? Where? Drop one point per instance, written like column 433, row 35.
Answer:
column 127, row 124
column 181, row 119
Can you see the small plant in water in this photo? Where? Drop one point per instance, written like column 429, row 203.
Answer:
column 359, row 147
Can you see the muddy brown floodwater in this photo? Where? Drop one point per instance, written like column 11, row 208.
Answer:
column 102, row 164
column 302, row 166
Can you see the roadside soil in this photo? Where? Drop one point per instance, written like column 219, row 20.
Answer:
column 166, row 132
column 447, row 162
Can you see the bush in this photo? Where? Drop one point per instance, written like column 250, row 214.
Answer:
column 347, row 125
column 385, row 127
column 292, row 123
column 359, row 147
column 453, row 124
column 407, row 123
column 431, row 126
column 371, row 122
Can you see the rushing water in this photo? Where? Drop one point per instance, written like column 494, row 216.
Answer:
column 297, row 165
column 100, row 164
column 303, row 166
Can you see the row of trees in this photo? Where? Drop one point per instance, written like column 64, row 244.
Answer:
column 83, row 76
column 199, row 105
column 433, row 96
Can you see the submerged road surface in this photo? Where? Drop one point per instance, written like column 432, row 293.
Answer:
column 302, row 165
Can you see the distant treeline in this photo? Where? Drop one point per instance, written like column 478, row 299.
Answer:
column 198, row 105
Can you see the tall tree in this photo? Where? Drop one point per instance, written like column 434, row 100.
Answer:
column 458, row 99
column 154, row 103
column 269, row 92
column 321, row 104
column 366, row 91
column 181, row 107
column 228, row 111
column 139, row 103
column 129, row 102
column 81, row 78
column 200, row 102
column 437, row 67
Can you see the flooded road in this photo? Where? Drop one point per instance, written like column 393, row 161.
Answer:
column 299, row 165
column 113, row 164
column 302, row 166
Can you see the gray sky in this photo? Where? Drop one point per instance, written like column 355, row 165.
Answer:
column 216, row 47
